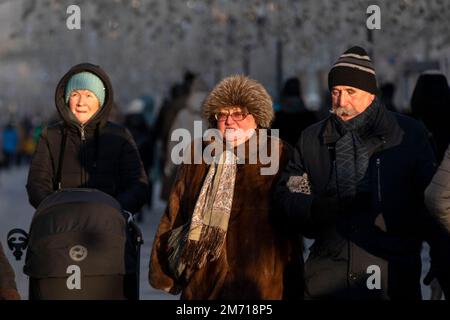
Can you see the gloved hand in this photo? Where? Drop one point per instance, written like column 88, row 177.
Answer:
column 325, row 209
column 173, row 290
column 359, row 204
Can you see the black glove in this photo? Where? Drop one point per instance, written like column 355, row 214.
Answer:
column 325, row 209
column 360, row 204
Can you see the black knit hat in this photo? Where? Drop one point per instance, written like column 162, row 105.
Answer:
column 355, row 69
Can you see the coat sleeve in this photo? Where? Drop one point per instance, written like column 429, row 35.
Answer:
column 133, row 189
column 437, row 194
column 40, row 176
column 159, row 276
column 293, row 195
column 437, row 237
column 8, row 290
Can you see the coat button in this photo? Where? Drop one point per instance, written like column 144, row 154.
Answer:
column 353, row 276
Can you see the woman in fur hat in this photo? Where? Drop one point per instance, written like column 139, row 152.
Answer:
column 219, row 237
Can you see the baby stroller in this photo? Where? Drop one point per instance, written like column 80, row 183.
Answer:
column 77, row 247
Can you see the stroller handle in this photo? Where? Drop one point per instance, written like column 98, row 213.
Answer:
column 137, row 233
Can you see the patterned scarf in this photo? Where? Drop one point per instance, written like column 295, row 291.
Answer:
column 202, row 239
column 352, row 155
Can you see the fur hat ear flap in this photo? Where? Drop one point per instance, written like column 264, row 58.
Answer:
column 240, row 91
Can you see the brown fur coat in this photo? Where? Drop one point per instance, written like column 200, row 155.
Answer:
column 260, row 259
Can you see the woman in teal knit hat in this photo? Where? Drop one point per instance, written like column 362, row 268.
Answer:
column 85, row 95
column 85, row 150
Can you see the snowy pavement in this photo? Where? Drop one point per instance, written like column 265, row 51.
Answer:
column 15, row 212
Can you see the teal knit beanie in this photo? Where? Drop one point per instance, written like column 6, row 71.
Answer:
column 86, row 81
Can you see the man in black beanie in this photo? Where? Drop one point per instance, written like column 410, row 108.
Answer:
column 355, row 184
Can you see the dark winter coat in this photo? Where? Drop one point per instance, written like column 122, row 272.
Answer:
column 292, row 119
column 384, row 227
column 430, row 103
column 99, row 154
column 258, row 261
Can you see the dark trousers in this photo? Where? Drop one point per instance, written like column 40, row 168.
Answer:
column 131, row 286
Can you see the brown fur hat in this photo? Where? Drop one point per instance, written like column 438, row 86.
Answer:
column 240, row 91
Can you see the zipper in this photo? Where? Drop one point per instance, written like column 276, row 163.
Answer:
column 349, row 266
column 378, row 162
column 379, row 180
column 83, row 155
column 333, row 175
column 83, row 137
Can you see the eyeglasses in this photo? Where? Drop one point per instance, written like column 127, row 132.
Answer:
column 236, row 116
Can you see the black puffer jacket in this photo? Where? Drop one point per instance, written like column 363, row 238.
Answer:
column 384, row 227
column 99, row 154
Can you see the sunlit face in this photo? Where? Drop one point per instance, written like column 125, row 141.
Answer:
column 235, row 124
column 348, row 102
column 83, row 104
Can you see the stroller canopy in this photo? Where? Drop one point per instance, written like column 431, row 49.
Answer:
column 83, row 227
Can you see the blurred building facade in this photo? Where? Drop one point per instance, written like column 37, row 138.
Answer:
column 146, row 45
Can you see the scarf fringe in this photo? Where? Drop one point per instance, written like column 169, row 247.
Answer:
column 176, row 244
column 197, row 253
